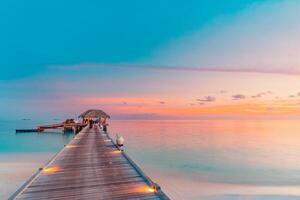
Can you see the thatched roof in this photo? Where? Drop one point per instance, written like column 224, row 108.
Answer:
column 93, row 113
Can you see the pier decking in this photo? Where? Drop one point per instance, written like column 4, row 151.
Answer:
column 90, row 167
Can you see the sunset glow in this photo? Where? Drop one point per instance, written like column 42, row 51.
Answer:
column 222, row 66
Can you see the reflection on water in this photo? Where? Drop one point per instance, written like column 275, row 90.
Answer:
column 217, row 159
column 213, row 160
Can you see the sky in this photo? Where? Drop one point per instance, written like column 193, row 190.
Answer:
column 150, row 59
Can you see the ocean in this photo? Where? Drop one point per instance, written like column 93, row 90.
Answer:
column 190, row 160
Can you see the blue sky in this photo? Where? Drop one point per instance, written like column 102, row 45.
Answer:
column 35, row 34
column 60, row 57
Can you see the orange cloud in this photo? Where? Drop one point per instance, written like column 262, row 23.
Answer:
column 182, row 108
column 245, row 108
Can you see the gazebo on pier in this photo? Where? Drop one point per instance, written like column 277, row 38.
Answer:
column 94, row 113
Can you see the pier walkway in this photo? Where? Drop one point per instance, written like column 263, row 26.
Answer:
column 90, row 167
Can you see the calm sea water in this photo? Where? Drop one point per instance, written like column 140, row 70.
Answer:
column 214, row 160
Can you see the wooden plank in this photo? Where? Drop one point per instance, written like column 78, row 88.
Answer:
column 89, row 167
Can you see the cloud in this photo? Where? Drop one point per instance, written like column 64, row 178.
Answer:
column 294, row 95
column 261, row 94
column 238, row 97
column 207, row 99
column 139, row 116
column 257, row 95
column 169, row 67
column 162, row 102
column 223, row 91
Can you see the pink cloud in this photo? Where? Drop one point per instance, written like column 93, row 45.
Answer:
column 266, row 70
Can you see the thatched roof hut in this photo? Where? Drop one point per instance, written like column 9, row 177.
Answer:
column 94, row 113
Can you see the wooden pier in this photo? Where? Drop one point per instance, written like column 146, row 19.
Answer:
column 90, row 167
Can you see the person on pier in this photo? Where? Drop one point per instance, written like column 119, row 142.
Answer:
column 103, row 124
column 90, row 122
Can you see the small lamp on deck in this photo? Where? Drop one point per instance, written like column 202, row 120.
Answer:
column 120, row 142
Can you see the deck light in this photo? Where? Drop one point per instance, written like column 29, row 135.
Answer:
column 150, row 189
column 116, row 152
column 51, row 169
column 144, row 189
column 71, row 146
